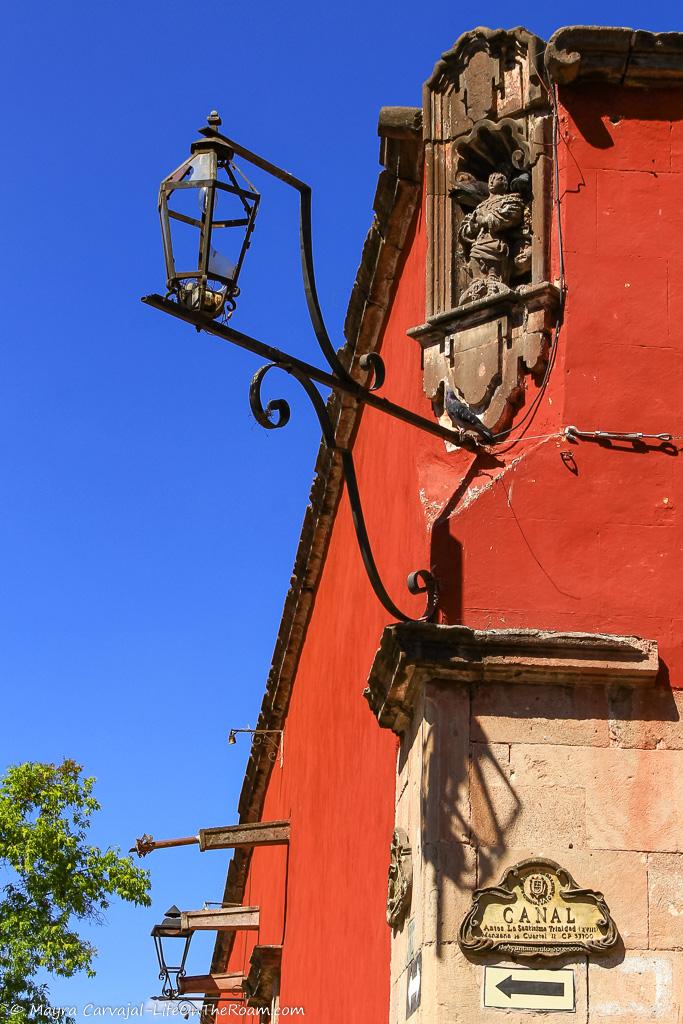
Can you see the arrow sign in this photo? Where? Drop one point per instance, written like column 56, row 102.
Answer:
column 523, row 989
column 517, row 987
column 414, row 989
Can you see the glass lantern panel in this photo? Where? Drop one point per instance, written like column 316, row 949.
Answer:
column 202, row 167
column 220, row 264
column 185, row 240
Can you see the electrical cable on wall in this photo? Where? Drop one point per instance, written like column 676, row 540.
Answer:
column 554, row 102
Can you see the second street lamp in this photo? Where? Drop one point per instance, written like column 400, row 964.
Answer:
column 167, row 936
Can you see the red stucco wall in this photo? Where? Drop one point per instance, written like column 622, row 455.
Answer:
column 599, row 549
column 516, row 537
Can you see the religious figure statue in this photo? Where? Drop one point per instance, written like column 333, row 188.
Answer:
column 495, row 235
column 400, row 878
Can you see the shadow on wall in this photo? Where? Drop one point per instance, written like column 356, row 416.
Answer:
column 598, row 112
column 473, row 810
column 446, row 550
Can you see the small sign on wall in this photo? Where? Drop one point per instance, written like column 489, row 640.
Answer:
column 521, row 988
column 537, row 909
column 414, row 985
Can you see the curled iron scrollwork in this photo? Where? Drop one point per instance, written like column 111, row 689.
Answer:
column 373, row 363
column 276, row 413
column 271, row 746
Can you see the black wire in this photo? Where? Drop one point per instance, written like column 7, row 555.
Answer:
column 563, row 285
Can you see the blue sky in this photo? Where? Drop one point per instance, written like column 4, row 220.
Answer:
column 147, row 525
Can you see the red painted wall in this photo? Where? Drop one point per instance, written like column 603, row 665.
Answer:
column 516, row 537
column 337, row 783
column 598, row 549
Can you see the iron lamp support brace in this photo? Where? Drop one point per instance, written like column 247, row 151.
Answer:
column 276, row 413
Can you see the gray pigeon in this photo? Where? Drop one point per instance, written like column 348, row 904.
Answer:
column 462, row 416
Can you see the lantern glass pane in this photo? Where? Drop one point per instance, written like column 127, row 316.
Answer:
column 202, row 167
column 220, row 265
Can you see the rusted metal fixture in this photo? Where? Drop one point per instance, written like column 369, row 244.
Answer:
column 194, row 297
column 146, row 843
column 271, row 740
column 572, row 433
column 225, row 837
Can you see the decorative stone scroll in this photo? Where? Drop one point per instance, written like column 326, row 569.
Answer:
column 537, row 910
column 400, row 879
column 490, row 304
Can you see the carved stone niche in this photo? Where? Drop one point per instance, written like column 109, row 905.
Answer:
column 490, row 305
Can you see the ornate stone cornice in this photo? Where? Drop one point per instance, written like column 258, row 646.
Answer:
column 618, row 56
column 413, row 653
column 264, row 972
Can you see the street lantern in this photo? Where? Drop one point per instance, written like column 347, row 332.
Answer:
column 170, row 929
column 207, row 209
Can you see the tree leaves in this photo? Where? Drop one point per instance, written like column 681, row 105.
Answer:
column 56, row 880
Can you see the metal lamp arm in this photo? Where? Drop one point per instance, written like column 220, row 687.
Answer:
column 276, row 414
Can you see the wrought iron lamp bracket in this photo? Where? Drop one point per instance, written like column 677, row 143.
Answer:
column 272, row 740
column 276, row 413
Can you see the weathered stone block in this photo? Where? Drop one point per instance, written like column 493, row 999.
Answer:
column 456, row 997
column 665, row 883
column 505, row 816
column 631, row 796
column 648, row 721
column 540, row 714
column 633, row 800
column 445, row 778
column 489, row 764
column 644, row 986
column 450, row 880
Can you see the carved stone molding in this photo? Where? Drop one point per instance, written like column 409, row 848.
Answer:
column 411, row 654
column 618, row 56
column 400, row 880
column 488, row 166
column 263, row 979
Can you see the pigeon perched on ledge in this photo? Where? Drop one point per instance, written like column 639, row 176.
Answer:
column 463, row 417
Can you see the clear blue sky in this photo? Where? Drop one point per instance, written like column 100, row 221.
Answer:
column 147, row 525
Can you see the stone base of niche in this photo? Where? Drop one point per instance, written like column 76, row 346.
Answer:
column 486, row 349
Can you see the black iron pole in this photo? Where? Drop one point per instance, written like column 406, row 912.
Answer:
column 283, row 359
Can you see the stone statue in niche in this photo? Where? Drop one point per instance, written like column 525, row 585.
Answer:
column 400, row 878
column 495, row 236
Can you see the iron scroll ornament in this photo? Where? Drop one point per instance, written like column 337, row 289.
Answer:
column 276, row 413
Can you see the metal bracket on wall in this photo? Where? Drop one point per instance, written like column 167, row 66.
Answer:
column 572, row 433
column 276, row 413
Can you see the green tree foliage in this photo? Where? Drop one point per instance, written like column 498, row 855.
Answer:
column 56, row 879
